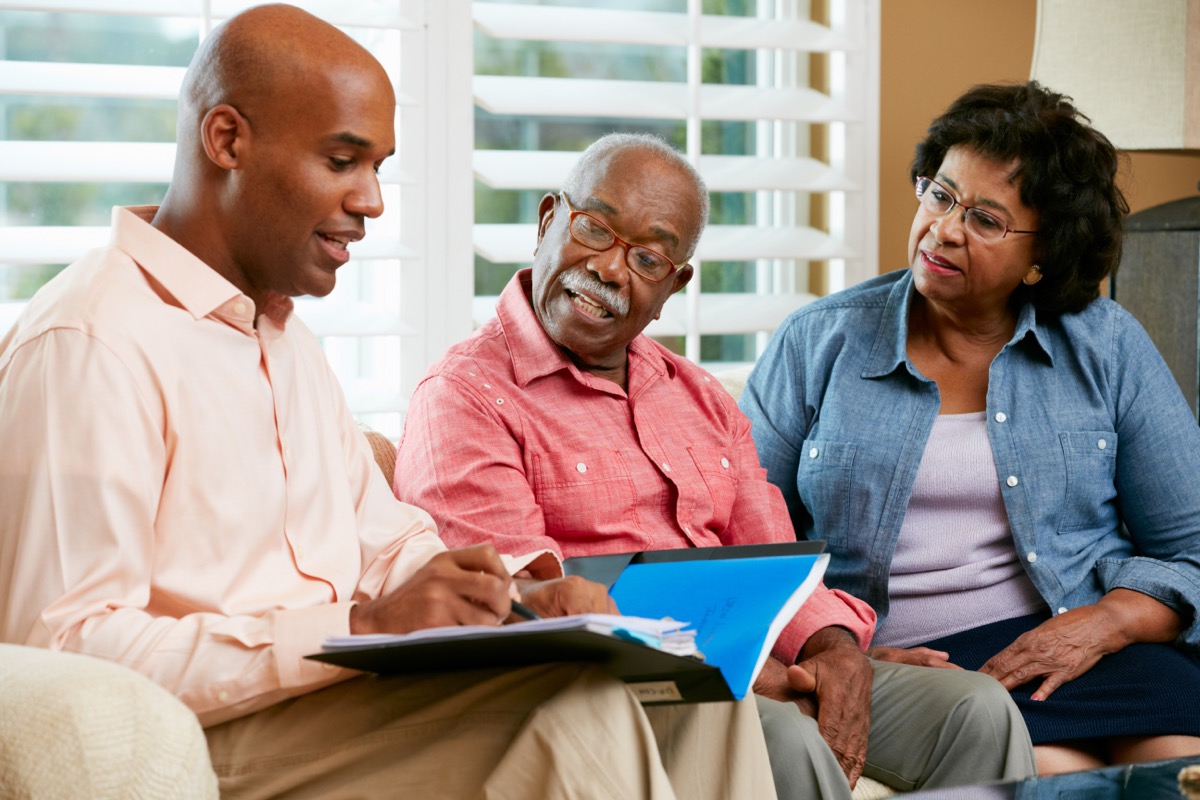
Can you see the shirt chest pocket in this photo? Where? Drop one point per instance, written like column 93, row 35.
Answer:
column 1090, row 458
column 823, row 479
column 575, row 490
column 716, row 468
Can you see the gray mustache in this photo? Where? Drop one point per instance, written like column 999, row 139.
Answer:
column 584, row 281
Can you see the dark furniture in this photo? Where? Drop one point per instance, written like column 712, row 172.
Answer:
column 1159, row 282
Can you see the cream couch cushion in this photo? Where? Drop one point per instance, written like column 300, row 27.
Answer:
column 72, row 726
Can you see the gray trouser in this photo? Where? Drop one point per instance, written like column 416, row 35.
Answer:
column 930, row 728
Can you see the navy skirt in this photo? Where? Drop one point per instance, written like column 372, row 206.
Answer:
column 1143, row 690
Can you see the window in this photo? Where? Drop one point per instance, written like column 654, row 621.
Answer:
column 87, row 115
column 775, row 101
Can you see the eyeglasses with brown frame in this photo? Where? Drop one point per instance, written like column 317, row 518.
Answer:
column 595, row 235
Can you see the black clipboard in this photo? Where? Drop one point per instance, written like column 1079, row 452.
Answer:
column 655, row 677
column 605, row 569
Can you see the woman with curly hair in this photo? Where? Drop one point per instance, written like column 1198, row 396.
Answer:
column 998, row 458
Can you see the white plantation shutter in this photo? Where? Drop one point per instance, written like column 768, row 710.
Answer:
column 797, row 209
column 69, row 69
column 87, row 110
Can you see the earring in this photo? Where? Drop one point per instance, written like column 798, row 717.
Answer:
column 1033, row 276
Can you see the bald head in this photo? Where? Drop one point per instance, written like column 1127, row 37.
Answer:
column 264, row 61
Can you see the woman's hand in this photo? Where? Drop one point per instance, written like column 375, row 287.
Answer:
column 1064, row 647
column 920, row 656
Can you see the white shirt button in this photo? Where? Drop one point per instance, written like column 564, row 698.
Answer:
column 1001, row 416
column 1031, row 558
column 813, row 453
column 666, row 467
column 499, row 401
column 581, row 467
column 487, row 386
column 1062, row 610
column 707, row 379
column 329, row 667
column 239, row 308
column 1102, row 444
column 1012, row 480
column 222, row 695
column 725, row 463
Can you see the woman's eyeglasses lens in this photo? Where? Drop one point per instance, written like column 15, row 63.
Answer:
column 937, row 200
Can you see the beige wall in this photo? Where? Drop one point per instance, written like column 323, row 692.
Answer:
column 975, row 41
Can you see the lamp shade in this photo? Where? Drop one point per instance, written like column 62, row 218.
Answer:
column 1132, row 66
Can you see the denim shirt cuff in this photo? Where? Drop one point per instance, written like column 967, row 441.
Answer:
column 1165, row 581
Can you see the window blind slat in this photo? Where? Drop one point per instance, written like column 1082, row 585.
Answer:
column 90, row 80
column 377, row 14
column 650, row 100
column 550, row 24
column 331, row 318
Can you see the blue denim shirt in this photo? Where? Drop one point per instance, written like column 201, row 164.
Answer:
column 1097, row 452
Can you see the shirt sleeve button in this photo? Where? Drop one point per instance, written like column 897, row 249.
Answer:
column 582, row 467
column 1062, row 610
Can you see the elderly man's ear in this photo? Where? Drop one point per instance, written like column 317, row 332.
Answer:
column 678, row 281
column 545, row 216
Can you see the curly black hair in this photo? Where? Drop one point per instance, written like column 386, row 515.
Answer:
column 1066, row 171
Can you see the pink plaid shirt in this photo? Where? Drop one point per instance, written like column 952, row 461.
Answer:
column 508, row 442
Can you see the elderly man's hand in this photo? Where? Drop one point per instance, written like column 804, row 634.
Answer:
column 841, row 678
column 563, row 596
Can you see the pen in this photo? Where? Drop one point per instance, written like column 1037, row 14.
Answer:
column 522, row 610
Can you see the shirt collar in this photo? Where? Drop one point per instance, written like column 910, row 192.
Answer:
column 535, row 355
column 889, row 350
column 195, row 286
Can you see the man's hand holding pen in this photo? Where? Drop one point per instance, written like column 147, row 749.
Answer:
column 471, row 586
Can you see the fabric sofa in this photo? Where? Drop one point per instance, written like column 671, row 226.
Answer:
column 73, row 726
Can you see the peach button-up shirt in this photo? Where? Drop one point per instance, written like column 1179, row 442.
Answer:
column 181, row 490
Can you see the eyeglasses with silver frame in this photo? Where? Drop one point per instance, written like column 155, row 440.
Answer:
column 985, row 226
column 595, row 235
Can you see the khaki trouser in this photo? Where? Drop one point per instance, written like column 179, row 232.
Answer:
column 550, row 731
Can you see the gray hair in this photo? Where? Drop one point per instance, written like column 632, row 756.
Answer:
column 612, row 142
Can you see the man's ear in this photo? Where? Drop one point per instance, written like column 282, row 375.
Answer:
column 678, row 281
column 545, row 215
column 681, row 277
column 224, row 132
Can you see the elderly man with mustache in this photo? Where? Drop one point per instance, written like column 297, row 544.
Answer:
column 559, row 426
